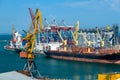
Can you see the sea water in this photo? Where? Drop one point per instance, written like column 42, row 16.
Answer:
column 53, row 68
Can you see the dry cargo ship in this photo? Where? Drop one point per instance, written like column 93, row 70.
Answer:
column 103, row 54
column 79, row 54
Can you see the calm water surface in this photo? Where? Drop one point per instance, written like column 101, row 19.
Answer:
column 53, row 68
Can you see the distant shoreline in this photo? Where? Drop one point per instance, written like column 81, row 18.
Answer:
column 5, row 34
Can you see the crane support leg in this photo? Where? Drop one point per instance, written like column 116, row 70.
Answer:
column 31, row 67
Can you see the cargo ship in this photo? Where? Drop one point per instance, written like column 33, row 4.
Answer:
column 88, row 53
column 101, row 56
column 15, row 43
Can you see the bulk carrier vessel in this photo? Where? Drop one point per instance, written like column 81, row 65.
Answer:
column 103, row 53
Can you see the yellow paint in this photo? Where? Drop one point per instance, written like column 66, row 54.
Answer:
column 63, row 41
column 108, row 27
column 65, row 45
column 101, row 40
column 112, row 76
column 88, row 50
column 75, row 34
column 31, row 37
column 30, row 56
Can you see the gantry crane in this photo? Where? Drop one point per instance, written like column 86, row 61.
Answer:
column 75, row 34
column 101, row 40
column 87, row 41
column 30, row 65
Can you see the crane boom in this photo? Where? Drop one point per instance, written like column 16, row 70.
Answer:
column 75, row 34
column 86, row 40
column 63, row 41
column 31, row 14
column 84, row 37
column 38, row 16
column 101, row 40
column 74, row 38
column 60, row 37
column 76, row 30
column 33, row 19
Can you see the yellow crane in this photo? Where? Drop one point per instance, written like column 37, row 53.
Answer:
column 37, row 17
column 75, row 34
column 30, row 65
column 87, row 41
column 101, row 40
column 63, row 41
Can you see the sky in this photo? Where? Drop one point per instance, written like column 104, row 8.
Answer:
column 90, row 13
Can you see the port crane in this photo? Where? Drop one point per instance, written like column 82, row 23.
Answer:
column 63, row 41
column 101, row 40
column 75, row 34
column 37, row 17
column 30, row 65
column 87, row 41
column 33, row 19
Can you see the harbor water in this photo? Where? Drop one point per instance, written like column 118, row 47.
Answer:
column 53, row 68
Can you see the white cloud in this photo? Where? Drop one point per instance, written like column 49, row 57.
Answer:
column 110, row 4
column 113, row 4
column 76, row 3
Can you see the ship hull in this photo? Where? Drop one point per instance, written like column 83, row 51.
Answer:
column 9, row 48
column 12, row 49
column 85, row 57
